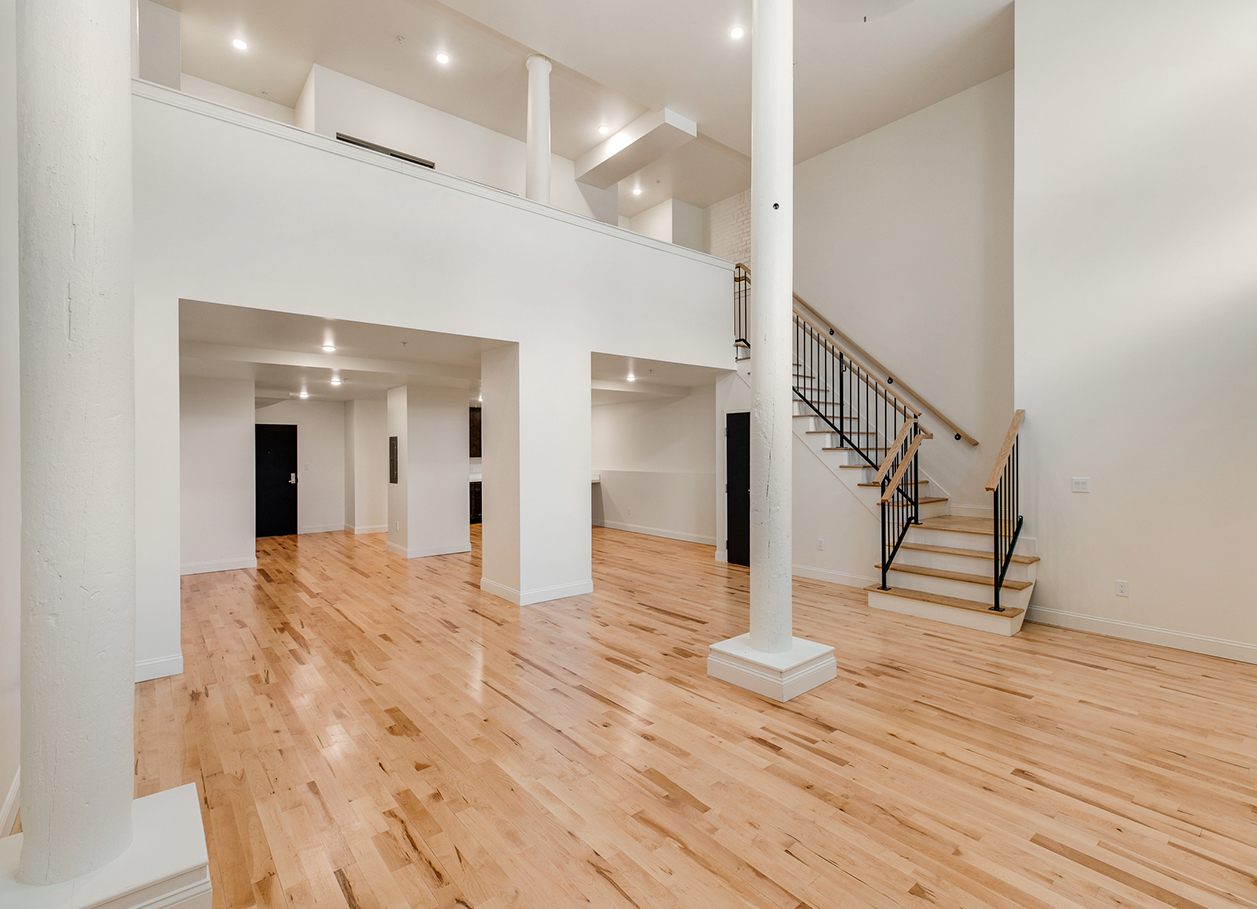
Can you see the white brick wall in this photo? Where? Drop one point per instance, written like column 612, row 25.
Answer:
column 727, row 228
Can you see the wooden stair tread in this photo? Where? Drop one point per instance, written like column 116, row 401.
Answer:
column 959, row 524
column 967, row 553
column 940, row 600
column 832, row 416
column 930, row 500
column 984, row 579
column 901, row 483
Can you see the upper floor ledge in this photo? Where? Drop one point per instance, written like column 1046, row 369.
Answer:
column 160, row 94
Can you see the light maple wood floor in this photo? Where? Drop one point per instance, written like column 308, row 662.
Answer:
column 367, row 731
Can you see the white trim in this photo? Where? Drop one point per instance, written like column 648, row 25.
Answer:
column 722, row 555
column 537, row 594
column 780, row 676
column 296, row 135
column 8, row 813
column 831, row 576
column 218, row 565
column 1146, row 634
column 405, row 553
column 660, row 532
column 158, row 668
column 368, row 528
column 322, row 528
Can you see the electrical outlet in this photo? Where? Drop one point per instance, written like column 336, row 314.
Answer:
column 397, row 525
column 1123, row 588
column 1082, row 484
column 307, row 467
column 820, row 543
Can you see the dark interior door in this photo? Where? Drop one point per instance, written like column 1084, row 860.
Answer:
column 275, row 454
column 738, row 490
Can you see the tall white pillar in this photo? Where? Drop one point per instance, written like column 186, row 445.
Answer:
column 537, row 182
column 78, row 434
column 770, row 660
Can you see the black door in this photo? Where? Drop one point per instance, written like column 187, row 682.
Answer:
column 275, row 455
column 738, row 473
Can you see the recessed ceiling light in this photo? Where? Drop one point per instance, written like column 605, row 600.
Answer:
column 329, row 348
column 604, row 129
column 632, row 378
column 240, row 44
column 442, row 58
column 480, row 399
column 335, row 380
column 304, row 394
column 736, row 32
column 637, row 190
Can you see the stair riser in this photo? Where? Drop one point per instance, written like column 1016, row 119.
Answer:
column 1016, row 570
column 991, row 622
column 953, row 538
column 980, row 593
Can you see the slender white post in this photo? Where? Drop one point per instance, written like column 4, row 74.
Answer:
column 770, row 660
column 772, row 226
column 537, row 182
column 78, row 434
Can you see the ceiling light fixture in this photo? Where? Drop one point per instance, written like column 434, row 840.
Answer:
column 604, row 129
column 329, row 348
column 442, row 58
column 736, row 32
column 240, row 44
column 336, row 380
column 632, row 378
column 304, row 394
column 637, row 190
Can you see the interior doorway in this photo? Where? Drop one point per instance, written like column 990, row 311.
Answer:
column 738, row 474
column 275, row 456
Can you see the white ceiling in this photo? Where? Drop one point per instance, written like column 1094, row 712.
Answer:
column 613, row 62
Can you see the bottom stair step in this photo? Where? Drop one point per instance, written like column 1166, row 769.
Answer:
column 952, row 610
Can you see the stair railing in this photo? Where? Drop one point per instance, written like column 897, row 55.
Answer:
column 1005, row 485
column 853, row 351
column 899, row 478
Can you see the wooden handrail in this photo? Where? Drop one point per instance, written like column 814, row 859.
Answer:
column 1005, row 450
column 861, row 354
column 894, row 448
column 903, row 468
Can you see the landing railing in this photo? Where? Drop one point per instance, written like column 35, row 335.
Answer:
column 741, row 310
column 1005, row 485
column 899, row 479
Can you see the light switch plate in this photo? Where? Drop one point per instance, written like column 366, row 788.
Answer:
column 1082, row 484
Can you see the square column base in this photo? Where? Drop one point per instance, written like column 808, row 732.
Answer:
column 780, row 676
column 166, row 866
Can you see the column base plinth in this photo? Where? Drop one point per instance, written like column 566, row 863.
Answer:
column 780, row 676
column 166, row 866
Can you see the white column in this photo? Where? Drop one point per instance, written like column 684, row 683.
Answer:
column 770, row 660
column 78, row 434
column 537, row 182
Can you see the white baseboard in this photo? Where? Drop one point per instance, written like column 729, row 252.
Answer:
column 158, row 668
column 537, row 594
column 1146, row 634
column 366, row 528
column 8, row 811
column 322, row 528
column 780, row 676
column 682, row 535
column 424, row 553
column 219, row 565
column 165, row 867
column 833, row 577
column 722, row 555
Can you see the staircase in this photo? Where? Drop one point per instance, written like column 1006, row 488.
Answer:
column 965, row 571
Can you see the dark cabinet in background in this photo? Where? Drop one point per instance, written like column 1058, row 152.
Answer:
column 475, row 432
column 475, row 502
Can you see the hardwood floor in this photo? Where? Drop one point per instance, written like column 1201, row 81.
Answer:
column 367, row 731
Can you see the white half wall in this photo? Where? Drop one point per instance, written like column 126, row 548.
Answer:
column 320, row 460
column 429, row 507
column 332, row 102
column 903, row 240
column 1136, row 315
column 366, row 466
column 657, row 466
column 218, row 529
column 10, row 430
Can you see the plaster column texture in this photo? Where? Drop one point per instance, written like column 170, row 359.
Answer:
column 78, row 434
column 772, row 349
column 537, row 181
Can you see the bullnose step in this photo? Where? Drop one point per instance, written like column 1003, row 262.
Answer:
column 984, row 579
column 955, row 551
column 939, row 599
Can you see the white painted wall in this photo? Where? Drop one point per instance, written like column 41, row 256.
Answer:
column 398, row 493
column 229, row 97
column 320, row 460
column 727, row 228
column 10, row 430
column 1136, row 315
column 657, row 466
column 429, row 506
column 671, row 221
column 234, row 209
column 903, row 240
column 332, row 102
column 159, row 48
column 218, row 528
column 366, row 466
